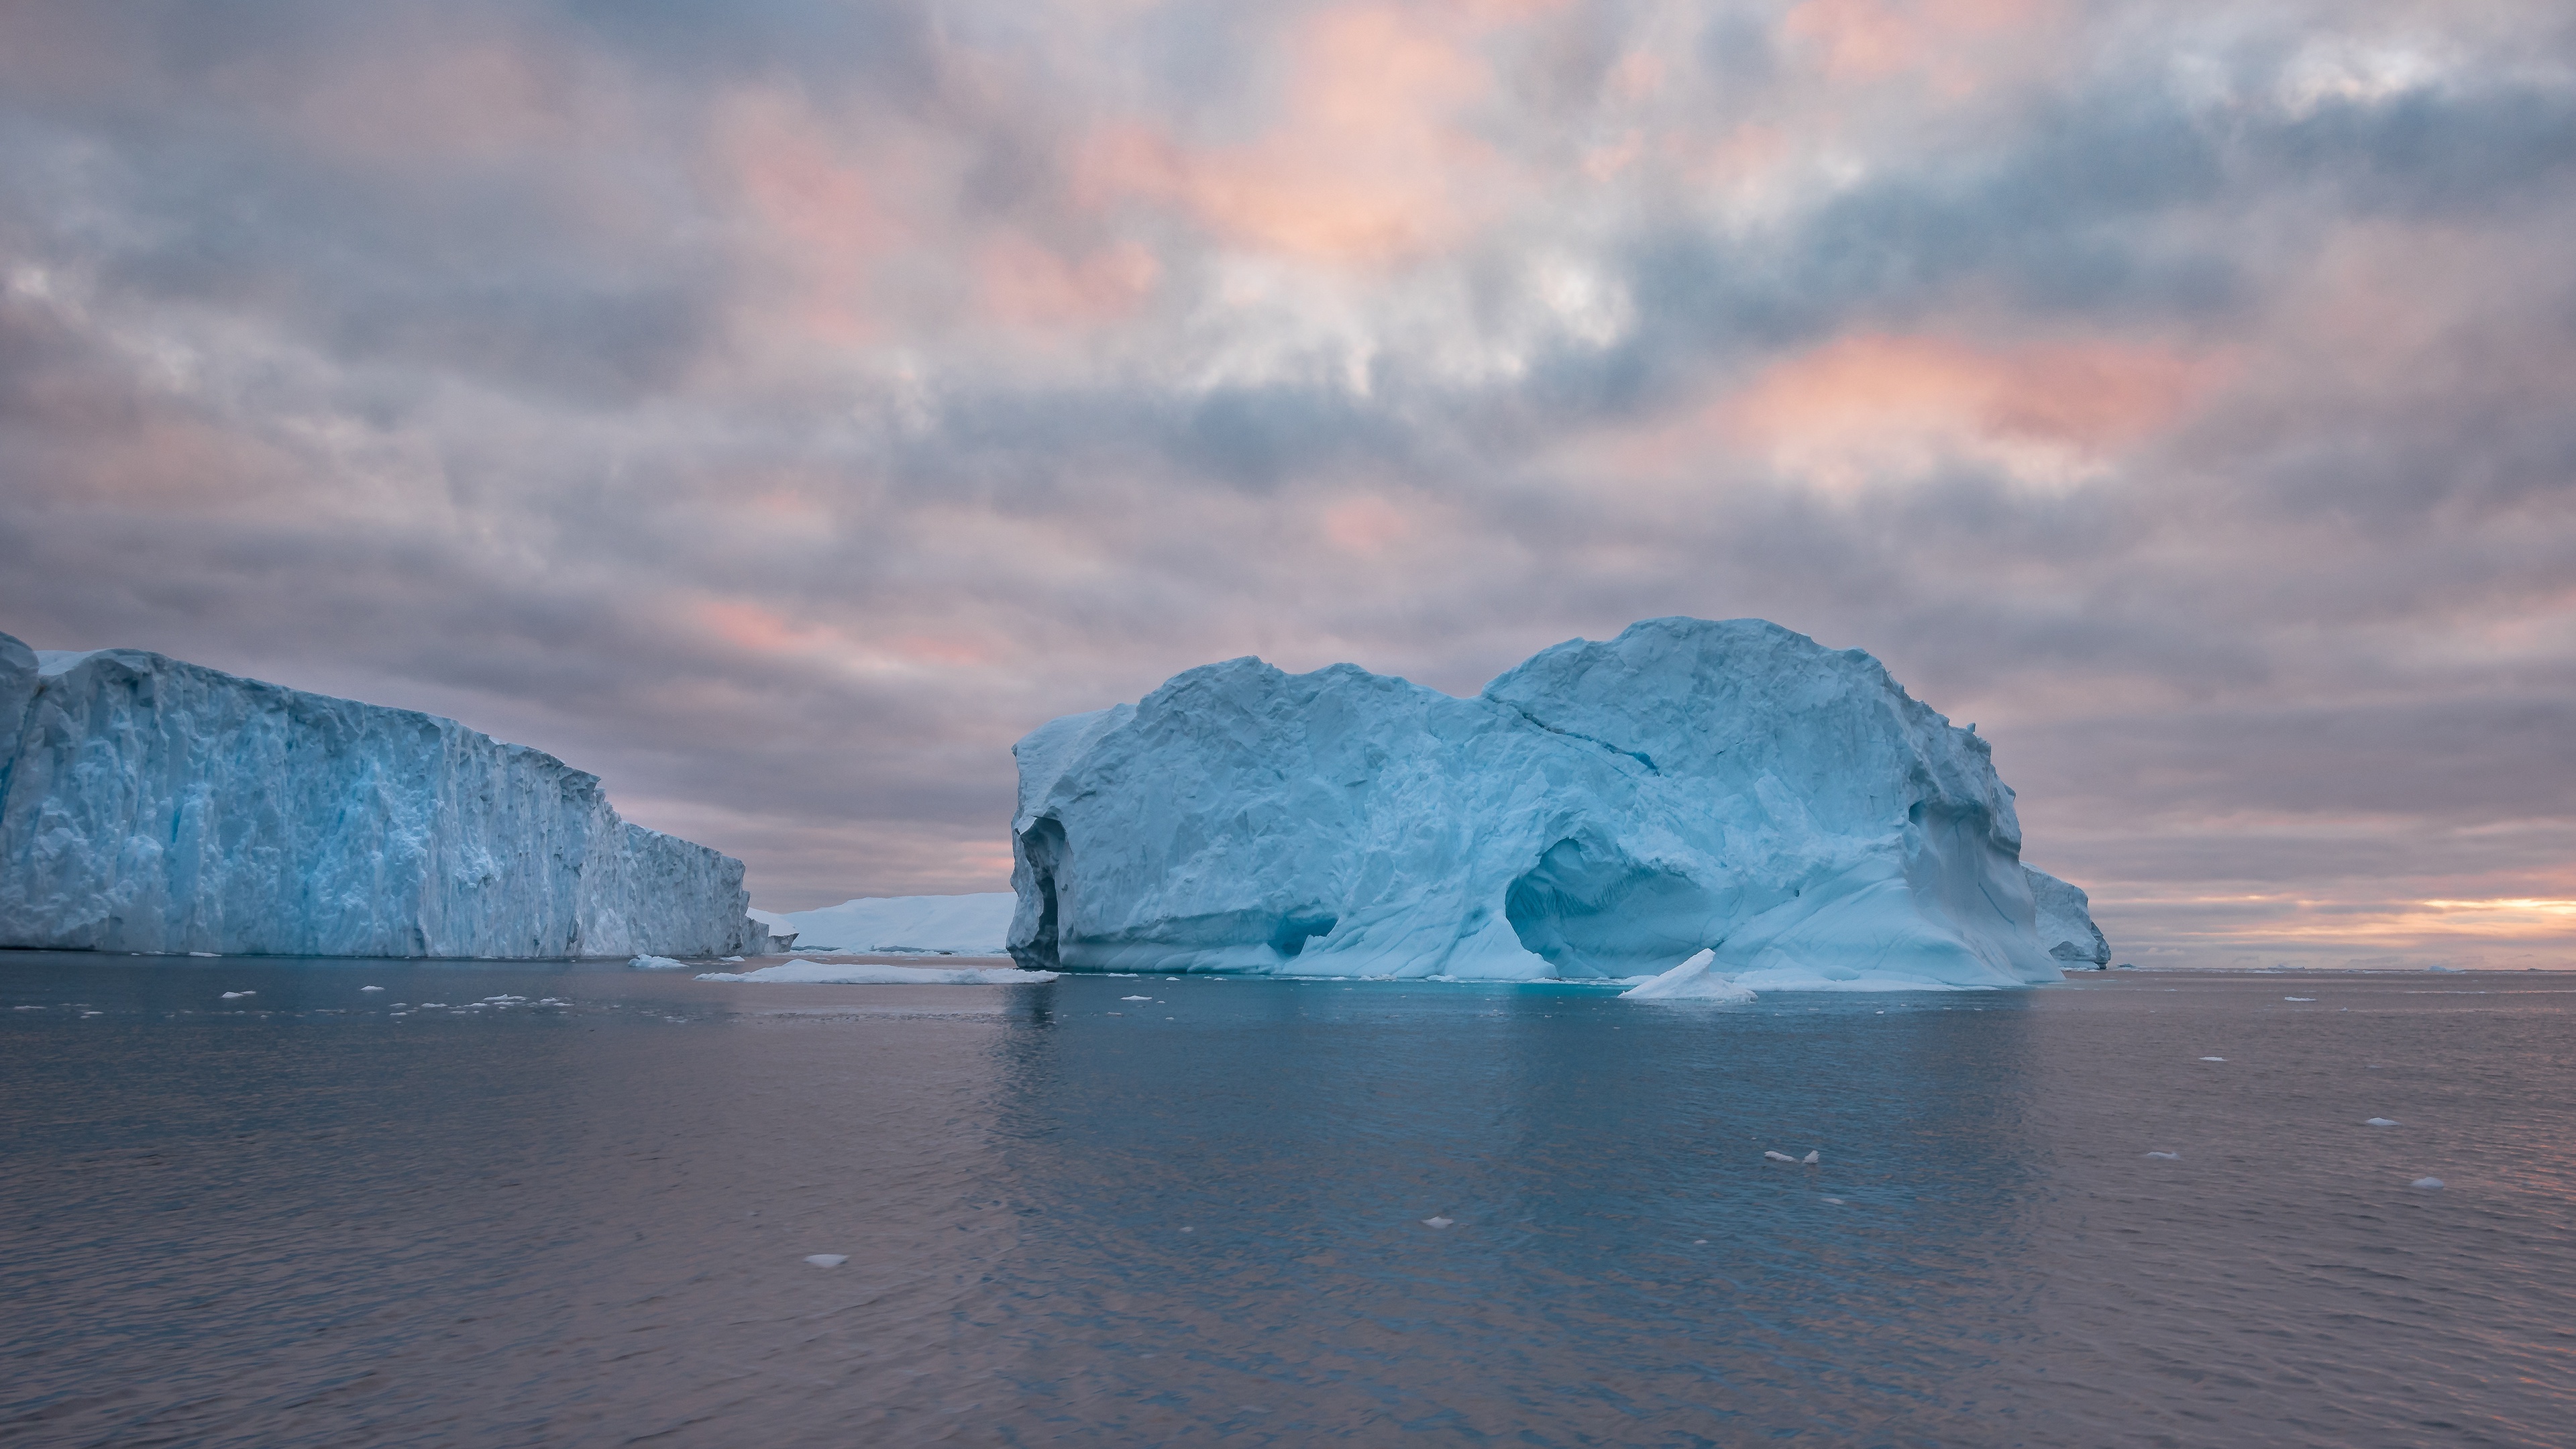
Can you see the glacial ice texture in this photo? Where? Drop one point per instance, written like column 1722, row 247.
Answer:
column 152, row 805
column 967, row 925
column 1603, row 811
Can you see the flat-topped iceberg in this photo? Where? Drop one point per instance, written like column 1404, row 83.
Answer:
column 1603, row 811
column 152, row 805
column 967, row 925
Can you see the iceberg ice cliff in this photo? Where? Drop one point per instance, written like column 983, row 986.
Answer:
column 152, row 805
column 1603, row 811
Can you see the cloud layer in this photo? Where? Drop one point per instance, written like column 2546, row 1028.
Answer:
column 780, row 407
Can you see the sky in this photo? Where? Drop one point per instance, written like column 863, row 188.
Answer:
column 777, row 408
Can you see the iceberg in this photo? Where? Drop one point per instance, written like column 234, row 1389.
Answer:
column 151, row 805
column 2066, row 922
column 1604, row 811
column 874, row 973
column 967, row 925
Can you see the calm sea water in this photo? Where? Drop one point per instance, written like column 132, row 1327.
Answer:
column 1070, row 1217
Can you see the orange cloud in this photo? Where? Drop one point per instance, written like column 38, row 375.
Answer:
column 751, row 627
column 1365, row 526
column 820, row 216
column 1023, row 284
column 1368, row 164
column 1874, row 404
column 1955, row 45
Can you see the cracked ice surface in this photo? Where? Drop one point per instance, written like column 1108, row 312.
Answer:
column 1601, row 812
column 158, row 806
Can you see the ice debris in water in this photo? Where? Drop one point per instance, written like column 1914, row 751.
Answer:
column 1813, row 1158
column 1778, row 1157
column 2429, row 1184
column 1135, row 998
column 371, row 988
column 656, row 963
column 2381, row 1122
column 210, row 955
column 1437, row 1222
column 1690, row 981
column 2298, row 998
column 827, row 1260
column 234, row 995
column 2213, row 1059
column 2167, row 1156
column 1732, row 786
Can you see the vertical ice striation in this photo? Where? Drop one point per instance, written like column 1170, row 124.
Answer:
column 148, row 804
column 1601, row 811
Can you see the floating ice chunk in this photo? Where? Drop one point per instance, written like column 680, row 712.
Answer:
column 2213, row 1059
column 730, row 960
column 2382, row 1122
column 210, row 955
column 827, row 1260
column 1437, row 1222
column 1838, row 1202
column 656, row 963
column 1187, row 1229
column 237, row 995
column 26, row 1008
column 371, row 988
column 2429, row 1184
column 1690, row 981
column 1778, row 1157
column 867, row 973
column 2298, row 998
column 2166, row 1156
column 1813, row 1158
column 1135, row 998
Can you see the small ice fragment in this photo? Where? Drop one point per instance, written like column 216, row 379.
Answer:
column 1813, row 1158
column 1778, row 1157
column 1699, row 1242
column 1437, row 1222
column 371, row 988
column 26, row 1008
column 2429, row 1184
column 827, row 1260
column 2167, row 1156
column 211, row 955
column 1838, row 1202
column 2381, row 1122
column 2298, row 998
column 2213, row 1059
column 731, row 960
column 1189, row 1230
column 235, row 995
column 656, row 963
column 1135, row 998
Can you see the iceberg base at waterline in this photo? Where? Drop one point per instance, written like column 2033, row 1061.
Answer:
column 875, row 973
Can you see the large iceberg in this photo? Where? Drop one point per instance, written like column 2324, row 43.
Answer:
column 1603, row 811
column 152, row 805
column 968, row 925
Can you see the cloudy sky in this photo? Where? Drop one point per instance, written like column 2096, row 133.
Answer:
column 779, row 407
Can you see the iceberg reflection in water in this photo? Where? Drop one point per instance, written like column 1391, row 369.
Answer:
column 578, row 1203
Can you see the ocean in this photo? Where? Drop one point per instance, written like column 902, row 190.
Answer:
column 575, row 1204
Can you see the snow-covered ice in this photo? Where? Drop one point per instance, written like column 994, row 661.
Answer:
column 868, row 973
column 1437, row 1222
column 1779, row 1157
column 968, row 925
column 656, row 963
column 158, row 806
column 1690, row 981
column 1601, row 812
